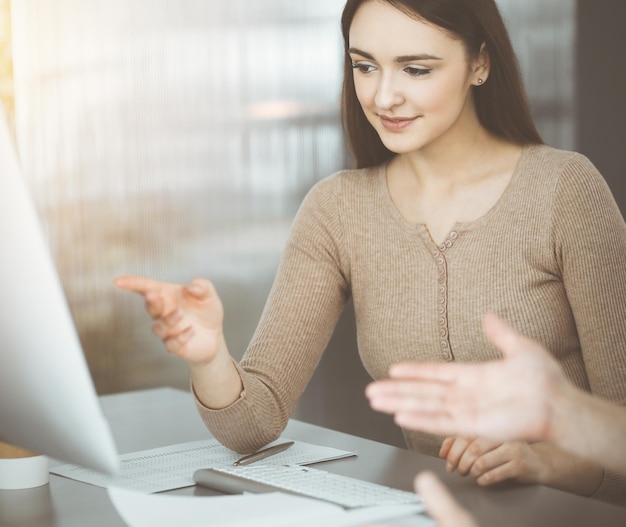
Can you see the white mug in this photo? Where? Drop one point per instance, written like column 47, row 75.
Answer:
column 21, row 469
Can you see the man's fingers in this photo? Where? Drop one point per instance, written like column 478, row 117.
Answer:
column 439, row 502
column 500, row 334
column 438, row 423
column 424, row 371
column 407, row 389
column 506, row 339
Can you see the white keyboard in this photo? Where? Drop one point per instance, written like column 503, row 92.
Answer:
column 305, row 481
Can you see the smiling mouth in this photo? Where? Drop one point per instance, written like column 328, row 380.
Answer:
column 396, row 124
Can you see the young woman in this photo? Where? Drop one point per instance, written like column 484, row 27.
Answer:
column 456, row 209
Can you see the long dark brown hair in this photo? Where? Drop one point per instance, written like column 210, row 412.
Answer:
column 501, row 102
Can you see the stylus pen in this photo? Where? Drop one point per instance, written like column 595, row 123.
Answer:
column 262, row 454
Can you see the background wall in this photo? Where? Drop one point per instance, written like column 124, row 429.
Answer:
column 177, row 140
column 601, row 86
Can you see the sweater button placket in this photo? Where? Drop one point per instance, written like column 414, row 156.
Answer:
column 442, row 297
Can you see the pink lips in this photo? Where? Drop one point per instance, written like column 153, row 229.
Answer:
column 396, row 124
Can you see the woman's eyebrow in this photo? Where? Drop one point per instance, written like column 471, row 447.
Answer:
column 413, row 58
column 401, row 59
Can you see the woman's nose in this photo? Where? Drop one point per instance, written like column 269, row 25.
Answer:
column 388, row 95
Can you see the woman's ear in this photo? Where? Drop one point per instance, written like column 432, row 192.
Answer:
column 481, row 66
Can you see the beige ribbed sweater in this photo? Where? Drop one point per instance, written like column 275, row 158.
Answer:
column 549, row 257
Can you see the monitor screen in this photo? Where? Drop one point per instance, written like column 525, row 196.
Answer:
column 48, row 403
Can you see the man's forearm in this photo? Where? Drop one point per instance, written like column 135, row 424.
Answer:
column 590, row 427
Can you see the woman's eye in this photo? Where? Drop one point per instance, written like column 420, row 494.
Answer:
column 416, row 71
column 363, row 67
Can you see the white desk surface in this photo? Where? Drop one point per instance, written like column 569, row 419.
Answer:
column 153, row 418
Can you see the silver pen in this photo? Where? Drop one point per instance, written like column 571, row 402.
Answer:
column 262, row 454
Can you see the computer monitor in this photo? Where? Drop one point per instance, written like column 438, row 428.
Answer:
column 48, row 403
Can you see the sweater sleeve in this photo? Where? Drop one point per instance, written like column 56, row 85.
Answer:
column 590, row 241
column 308, row 295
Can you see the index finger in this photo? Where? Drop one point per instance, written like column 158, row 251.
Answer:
column 440, row 503
column 137, row 284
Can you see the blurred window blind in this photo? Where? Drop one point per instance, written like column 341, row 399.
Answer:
column 172, row 139
column 544, row 38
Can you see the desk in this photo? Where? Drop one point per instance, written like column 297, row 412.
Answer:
column 153, row 418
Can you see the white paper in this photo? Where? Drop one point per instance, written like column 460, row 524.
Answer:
column 172, row 467
column 261, row 510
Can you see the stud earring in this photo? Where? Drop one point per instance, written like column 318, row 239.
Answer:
column 480, row 81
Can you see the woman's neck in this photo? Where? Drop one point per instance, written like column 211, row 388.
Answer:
column 440, row 191
column 448, row 165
